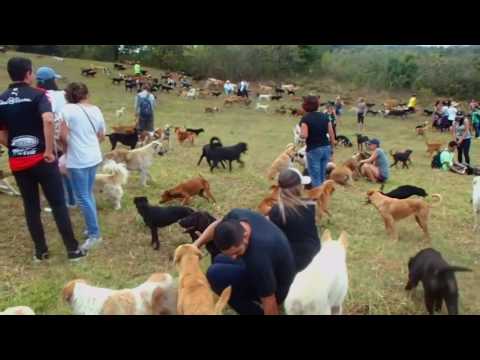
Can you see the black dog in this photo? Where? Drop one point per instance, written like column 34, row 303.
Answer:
column 199, row 221
column 370, row 105
column 290, row 92
column 158, row 217
column 438, row 280
column 214, row 143
column 427, row 112
column 361, row 139
column 228, row 153
column 195, row 131
column 402, row 113
column 279, row 91
column 405, row 191
column 125, row 139
column 216, row 93
column 119, row 67
column 276, row 97
column 403, row 157
column 344, row 141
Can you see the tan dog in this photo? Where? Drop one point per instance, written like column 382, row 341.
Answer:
column 184, row 136
column 156, row 296
column 138, row 159
column 267, row 203
column 195, row 296
column 393, row 210
column 187, row 190
column 346, row 173
column 282, row 162
column 322, row 195
column 432, row 148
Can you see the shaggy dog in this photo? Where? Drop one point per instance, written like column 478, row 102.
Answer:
column 110, row 182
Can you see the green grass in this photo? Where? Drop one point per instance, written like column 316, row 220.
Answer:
column 377, row 267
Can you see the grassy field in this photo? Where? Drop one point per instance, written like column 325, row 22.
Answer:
column 377, row 267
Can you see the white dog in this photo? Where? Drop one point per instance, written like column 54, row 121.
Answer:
column 262, row 107
column 321, row 288
column 58, row 59
column 192, row 93
column 18, row 310
column 120, row 112
column 111, row 180
column 476, row 203
column 301, row 157
column 156, row 296
column 264, row 97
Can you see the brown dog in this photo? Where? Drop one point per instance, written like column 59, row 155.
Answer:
column 322, row 195
column 195, row 296
column 393, row 210
column 432, row 148
column 184, row 136
column 187, row 190
column 282, row 162
column 346, row 173
column 267, row 203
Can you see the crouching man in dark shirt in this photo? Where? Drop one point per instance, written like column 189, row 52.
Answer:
column 256, row 261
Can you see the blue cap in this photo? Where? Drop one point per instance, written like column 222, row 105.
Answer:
column 46, row 73
column 374, row 142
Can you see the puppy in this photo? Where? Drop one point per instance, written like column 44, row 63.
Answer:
column 322, row 195
column 405, row 191
column 198, row 222
column 187, row 190
column 156, row 217
column 476, row 203
column 156, row 296
column 282, row 162
column 321, row 288
column 128, row 139
column 267, row 203
column 393, row 210
column 18, row 310
column 111, row 180
column 361, row 140
column 403, row 157
column 438, row 280
column 195, row 296
column 139, row 159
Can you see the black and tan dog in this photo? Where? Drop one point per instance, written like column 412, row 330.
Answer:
column 438, row 280
column 401, row 156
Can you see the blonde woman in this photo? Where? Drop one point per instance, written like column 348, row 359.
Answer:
column 296, row 217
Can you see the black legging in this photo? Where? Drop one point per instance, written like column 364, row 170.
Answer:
column 464, row 149
column 46, row 175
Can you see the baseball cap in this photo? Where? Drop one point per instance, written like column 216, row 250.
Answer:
column 292, row 177
column 46, row 73
column 374, row 142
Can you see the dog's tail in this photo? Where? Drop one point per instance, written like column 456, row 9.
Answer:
column 439, row 200
column 223, row 300
column 449, row 268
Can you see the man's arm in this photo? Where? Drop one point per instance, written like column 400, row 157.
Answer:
column 48, row 131
column 269, row 304
column 207, row 235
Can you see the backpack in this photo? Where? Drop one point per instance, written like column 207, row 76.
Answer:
column 436, row 163
column 145, row 107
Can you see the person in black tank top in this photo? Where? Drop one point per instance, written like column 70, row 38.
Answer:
column 315, row 128
column 296, row 218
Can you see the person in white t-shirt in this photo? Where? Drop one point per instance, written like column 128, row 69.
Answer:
column 452, row 113
column 82, row 129
column 46, row 80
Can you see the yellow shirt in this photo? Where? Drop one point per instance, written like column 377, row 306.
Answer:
column 413, row 102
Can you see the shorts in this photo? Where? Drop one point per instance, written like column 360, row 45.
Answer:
column 360, row 118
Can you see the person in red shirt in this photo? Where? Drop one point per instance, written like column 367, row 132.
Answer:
column 27, row 129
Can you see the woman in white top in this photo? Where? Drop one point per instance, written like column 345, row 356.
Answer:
column 83, row 127
column 46, row 80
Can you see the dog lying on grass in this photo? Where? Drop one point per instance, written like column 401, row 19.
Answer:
column 438, row 280
column 185, row 191
column 195, row 297
column 158, row 217
column 156, row 296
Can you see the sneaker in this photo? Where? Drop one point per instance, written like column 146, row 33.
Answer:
column 76, row 255
column 90, row 243
column 41, row 258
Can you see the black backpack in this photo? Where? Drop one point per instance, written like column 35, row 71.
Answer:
column 436, row 163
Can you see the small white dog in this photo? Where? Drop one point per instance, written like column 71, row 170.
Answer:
column 262, row 107
column 321, row 288
column 111, row 180
column 192, row 93
column 18, row 310
column 476, row 203
column 156, row 296
column 119, row 113
column 267, row 97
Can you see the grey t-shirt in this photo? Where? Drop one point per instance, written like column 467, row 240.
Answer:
column 383, row 164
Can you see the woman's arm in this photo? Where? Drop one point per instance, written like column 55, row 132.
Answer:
column 207, row 235
column 63, row 134
column 331, row 135
column 371, row 159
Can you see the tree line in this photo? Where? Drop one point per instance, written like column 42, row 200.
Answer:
column 452, row 71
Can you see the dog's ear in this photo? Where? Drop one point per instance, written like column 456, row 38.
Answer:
column 343, row 239
column 158, row 301
column 327, row 236
column 69, row 288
